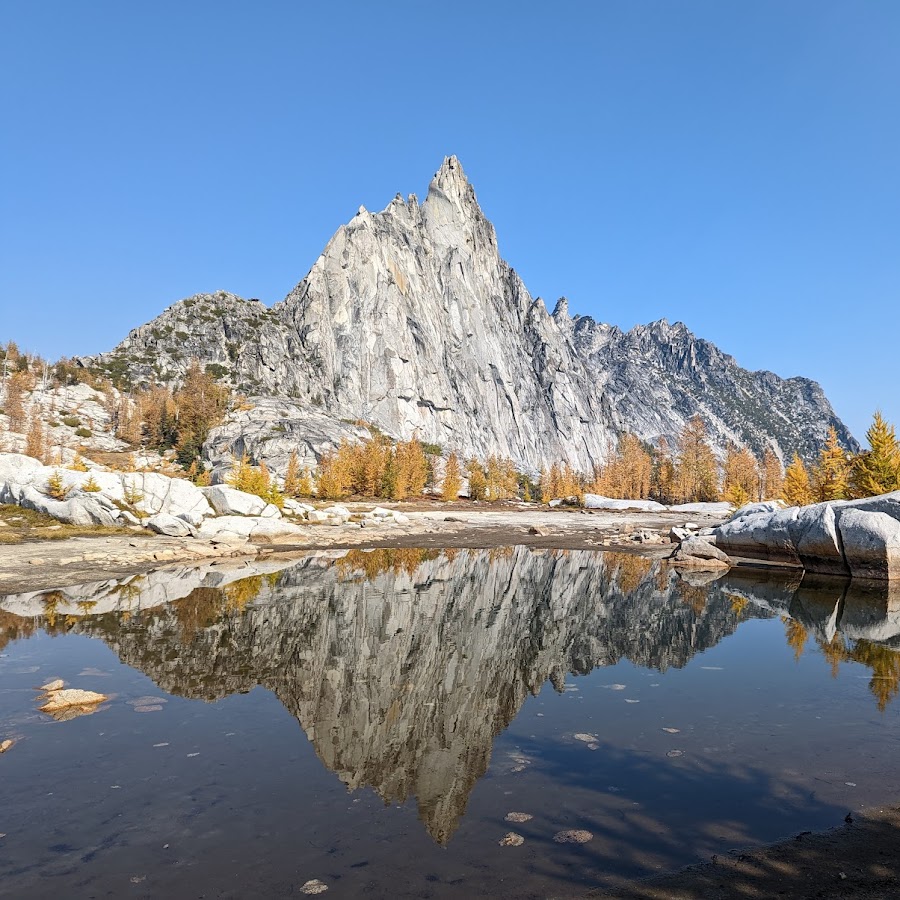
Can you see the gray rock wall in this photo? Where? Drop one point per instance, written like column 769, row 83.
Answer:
column 411, row 320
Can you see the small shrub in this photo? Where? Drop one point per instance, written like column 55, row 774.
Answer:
column 83, row 432
column 132, row 495
column 56, row 488
column 216, row 371
column 71, row 421
column 90, row 485
column 78, row 464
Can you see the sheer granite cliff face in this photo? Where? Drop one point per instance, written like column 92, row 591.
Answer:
column 402, row 669
column 412, row 321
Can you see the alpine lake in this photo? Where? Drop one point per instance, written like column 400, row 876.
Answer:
column 434, row 723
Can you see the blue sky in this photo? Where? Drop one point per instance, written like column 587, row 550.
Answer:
column 735, row 166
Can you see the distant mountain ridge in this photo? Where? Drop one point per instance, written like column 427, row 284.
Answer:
column 410, row 320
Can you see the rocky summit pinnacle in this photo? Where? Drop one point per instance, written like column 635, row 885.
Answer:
column 411, row 321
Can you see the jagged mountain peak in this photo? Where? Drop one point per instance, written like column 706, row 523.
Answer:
column 450, row 178
column 411, row 320
column 453, row 217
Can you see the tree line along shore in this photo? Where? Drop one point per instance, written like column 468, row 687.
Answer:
column 176, row 422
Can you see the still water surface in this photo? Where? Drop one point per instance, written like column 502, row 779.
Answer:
column 370, row 720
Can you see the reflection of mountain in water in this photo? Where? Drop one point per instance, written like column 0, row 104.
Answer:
column 403, row 665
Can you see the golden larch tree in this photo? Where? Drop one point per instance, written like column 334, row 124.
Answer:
column 13, row 405
column 452, row 483
column 36, row 438
column 336, row 473
column 797, row 490
column 771, row 476
column 877, row 470
column 696, row 474
column 830, row 478
column 741, row 476
column 477, row 480
column 662, row 479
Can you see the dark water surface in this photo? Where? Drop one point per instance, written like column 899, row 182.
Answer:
column 370, row 720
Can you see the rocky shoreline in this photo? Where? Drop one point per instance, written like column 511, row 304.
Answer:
column 45, row 565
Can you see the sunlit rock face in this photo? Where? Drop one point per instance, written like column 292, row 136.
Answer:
column 860, row 538
column 411, row 320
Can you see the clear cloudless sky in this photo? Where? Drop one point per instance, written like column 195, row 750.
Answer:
column 733, row 165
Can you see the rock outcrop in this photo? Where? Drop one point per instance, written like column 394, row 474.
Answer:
column 697, row 553
column 410, row 320
column 857, row 537
column 170, row 506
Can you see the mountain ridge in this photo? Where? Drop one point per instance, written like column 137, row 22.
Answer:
column 411, row 320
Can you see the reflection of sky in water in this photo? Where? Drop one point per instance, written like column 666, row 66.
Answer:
column 438, row 689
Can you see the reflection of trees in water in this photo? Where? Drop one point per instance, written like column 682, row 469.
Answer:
column 795, row 635
column 883, row 662
column 695, row 596
column 201, row 609
column 629, row 570
column 372, row 563
column 206, row 606
column 739, row 605
column 15, row 628
column 403, row 665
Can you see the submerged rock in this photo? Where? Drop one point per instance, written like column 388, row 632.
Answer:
column 518, row 817
column 511, row 839
column 573, row 836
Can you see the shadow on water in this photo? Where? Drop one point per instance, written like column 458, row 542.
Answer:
column 671, row 812
column 858, row 860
